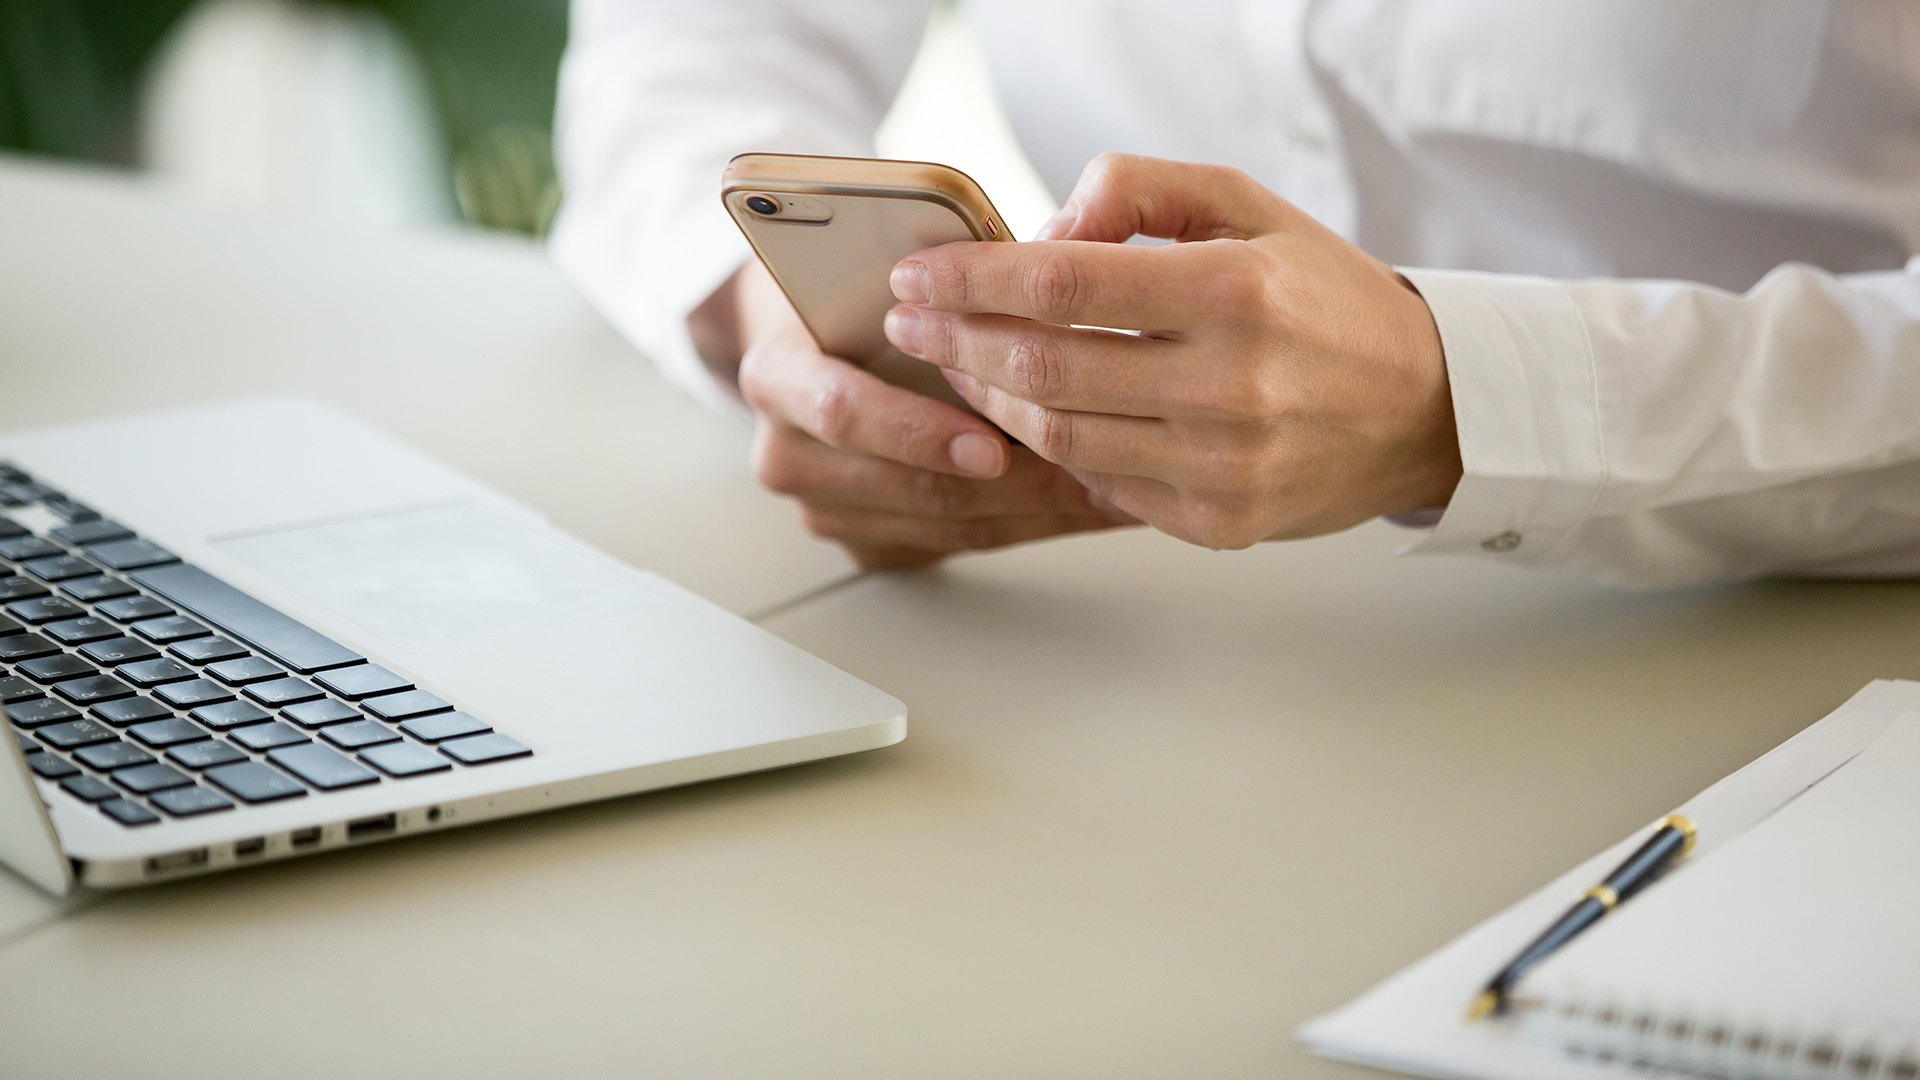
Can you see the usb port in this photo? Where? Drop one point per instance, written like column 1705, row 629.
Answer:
column 243, row 849
column 368, row 827
column 304, row 837
column 178, row 860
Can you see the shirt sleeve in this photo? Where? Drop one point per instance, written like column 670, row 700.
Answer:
column 657, row 95
column 1661, row 433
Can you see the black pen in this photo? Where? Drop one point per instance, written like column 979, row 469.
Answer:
column 1671, row 840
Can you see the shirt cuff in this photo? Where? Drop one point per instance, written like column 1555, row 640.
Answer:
column 1526, row 406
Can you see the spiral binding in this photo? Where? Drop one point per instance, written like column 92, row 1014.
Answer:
column 1665, row 1040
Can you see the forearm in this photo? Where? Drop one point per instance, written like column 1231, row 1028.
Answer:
column 1660, row 433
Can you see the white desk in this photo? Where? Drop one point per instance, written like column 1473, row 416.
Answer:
column 1157, row 806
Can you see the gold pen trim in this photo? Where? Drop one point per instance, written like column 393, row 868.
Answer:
column 1605, row 894
column 1684, row 825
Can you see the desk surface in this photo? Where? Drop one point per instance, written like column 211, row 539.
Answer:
column 1157, row 806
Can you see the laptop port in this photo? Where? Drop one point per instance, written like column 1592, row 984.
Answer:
column 433, row 813
column 304, row 837
column 178, row 860
column 244, row 849
column 367, row 828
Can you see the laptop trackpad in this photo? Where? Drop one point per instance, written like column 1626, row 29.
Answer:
column 439, row 575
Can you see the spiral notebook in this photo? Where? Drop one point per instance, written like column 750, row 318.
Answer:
column 1787, row 945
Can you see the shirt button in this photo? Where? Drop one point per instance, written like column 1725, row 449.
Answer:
column 1306, row 138
column 1502, row 543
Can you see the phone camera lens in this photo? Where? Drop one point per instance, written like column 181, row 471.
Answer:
column 760, row 204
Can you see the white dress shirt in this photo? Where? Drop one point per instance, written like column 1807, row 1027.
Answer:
column 1666, row 241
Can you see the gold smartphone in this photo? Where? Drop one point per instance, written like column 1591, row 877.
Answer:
column 830, row 230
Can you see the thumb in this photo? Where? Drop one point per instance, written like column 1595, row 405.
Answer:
column 1121, row 194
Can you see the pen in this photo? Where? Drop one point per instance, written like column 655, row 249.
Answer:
column 1672, row 839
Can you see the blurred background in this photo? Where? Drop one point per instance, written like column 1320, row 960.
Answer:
column 385, row 113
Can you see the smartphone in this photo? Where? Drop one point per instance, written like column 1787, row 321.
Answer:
column 830, row 230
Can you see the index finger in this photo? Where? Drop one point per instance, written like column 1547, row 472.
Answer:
column 1058, row 281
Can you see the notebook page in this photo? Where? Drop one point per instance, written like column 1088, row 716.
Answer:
column 1804, row 928
column 1415, row 1020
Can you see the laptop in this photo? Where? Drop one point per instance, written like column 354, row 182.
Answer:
column 252, row 631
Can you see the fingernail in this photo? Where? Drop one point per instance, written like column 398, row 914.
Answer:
column 909, row 283
column 903, row 329
column 1060, row 224
column 976, row 454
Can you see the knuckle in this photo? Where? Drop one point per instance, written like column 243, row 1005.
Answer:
column 831, row 411
column 937, row 494
column 822, row 524
column 1055, row 286
column 1053, row 435
column 1223, row 526
column 1034, row 369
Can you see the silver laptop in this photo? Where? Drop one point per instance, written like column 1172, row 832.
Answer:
column 247, row 632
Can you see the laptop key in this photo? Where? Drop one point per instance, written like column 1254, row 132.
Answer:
column 94, row 589
column 153, row 776
column 404, row 759
column 15, row 587
column 44, row 609
column 110, row 756
column 88, row 788
column 8, row 526
column 51, row 766
column 133, row 609
column 115, row 651
column 172, row 731
column 67, row 510
column 131, row 554
column 14, row 688
column 18, row 647
column 9, row 626
column 204, row 755
column 354, row 736
column 80, row 631
column 150, row 673
column 224, row 715
column 40, row 712
column 404, row 706
column 481, row 749
column 451, row 725
column 168, row 630
column 128, row 812
column 93, row 689
column 187, row 695
column 91, row 532
column 313, row 714
column 52, row 669
column 268, row 736
column 207, row 650
column 188, row 801
column 246, row 669
column 25, row 742
column 22, row 548
column 60, row 568
column 255, row 782
column 322, row 767
column 281, row 692
column 288, row 642
column 71, row 734
column 133, row 710
column 362, row 681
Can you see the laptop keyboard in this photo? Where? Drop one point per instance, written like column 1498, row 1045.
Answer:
column 149, row 688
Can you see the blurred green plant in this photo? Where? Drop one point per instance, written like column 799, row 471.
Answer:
column 71, row 71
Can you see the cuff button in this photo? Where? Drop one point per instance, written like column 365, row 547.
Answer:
column 1502, row 543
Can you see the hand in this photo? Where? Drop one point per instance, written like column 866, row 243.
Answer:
column 897, row 479
column 1285, row 383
